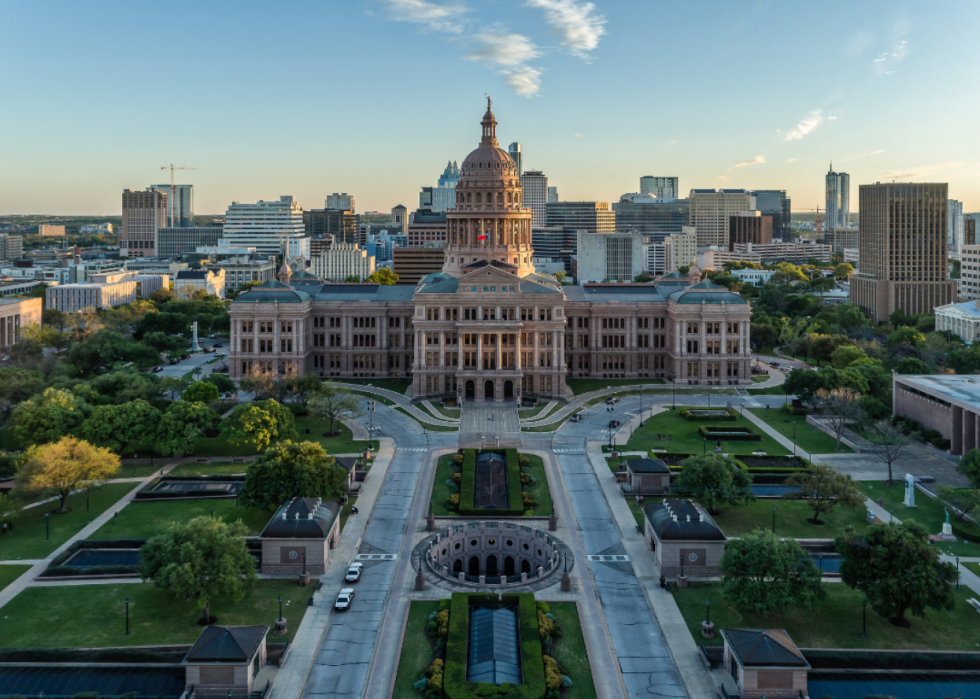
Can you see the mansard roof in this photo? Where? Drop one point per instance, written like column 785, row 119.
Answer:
column 438, row 283
column 607, row 293
column 273, row 292
column 687, row 296
column 336, row 293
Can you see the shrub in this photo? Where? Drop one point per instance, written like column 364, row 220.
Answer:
column 421, row 684
column 688, row 415
column 442, row 621
column 436, row 668
column 529, row 502
column 566, row 681
column 431, row 629
column 522, row 460
column 458, row 460
column 457, row 477
column 525, row 479
column 713, row 432
column 545, row 625
column 452, row 502
column 552, row 676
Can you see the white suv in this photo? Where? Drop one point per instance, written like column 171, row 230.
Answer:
column 344, row 599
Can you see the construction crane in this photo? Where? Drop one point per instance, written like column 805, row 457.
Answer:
column 816, row 222
column 173, row 167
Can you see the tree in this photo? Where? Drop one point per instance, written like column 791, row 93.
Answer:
column 713, row 479
column 897, row 569
column 840, row 407
column 969, row 465
column 64, row 466
column 172, row 386
column 123, row 386
column 560, row 276
column 200, row 560
column 165, row 321
column 162, row 342
column 787, row 273
column 303, row 388
column 181, row 425
column 260, row 424
column 54, row 318
column 844, row 355
column 823, row 489
column 201, row 392
column 352, row 279
column 224, row 384
column 48, row 417
column 292, row 470
column 765, row 575
column 334, row 403
column 906, row 336
column 639, row 278
column 261, row 383
column 762, row 335
column 16, row 386
column 913, row 365
column 384, row 277
column 964, row 500
column 804, row 384
column 890, row 444
column 116, row 426
column 843, row 270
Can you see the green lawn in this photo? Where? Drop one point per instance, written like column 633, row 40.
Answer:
column 374, row 396
column 971, row 566
column 140, row 470
column 392, row 384
column 27, row 540
column 345, row 511
column 416, row 653
column 687, row 440
column 9, row 573
column 570, row 652
column 441, row 491
column 767, row 391
column 928, row 512
column 217, row 468
column 537, row 411
column 447, row 412
column 343, row 443
column 791, row 516
column 97, row 614
column 835, row 622
column 808, row 437
column 539, row 491
column 580, row 386
column 760, row 379
column 421, row 406
column 141, row 520
column 428, row 426
column 220, row 446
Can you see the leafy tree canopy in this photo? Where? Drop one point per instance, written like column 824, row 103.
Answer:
column 64, row 466
column 334, row 403
column 117, row 426
column 969, row 465
column 823, row 489
column 845, row 355
column 260, row 423
column 49, row 416
column 385, row 277
column 906, row 336
column 913, row 365
column 224, row 384
column 167, row 322
column 712, row 480
column 201, row 392
column 181, row 425
column 290, row 470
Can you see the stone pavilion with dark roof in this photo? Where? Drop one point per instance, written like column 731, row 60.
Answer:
column 647, row 477
column 765, row 663
column 488, row 327
column 301, row 526
column 225, row 660
column 676, row 528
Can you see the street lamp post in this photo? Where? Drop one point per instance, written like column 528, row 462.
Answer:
column 957, row 572
column 794, row 437
column 864, row 618
column 371, row 409
column 641, row 408
column 212, row 513
column 280, row 607
column 704, row 446
column 127, row 616
column 774, row 519
column 682, row 565
column 707, row 611
column 47, row 526
column 673, row 390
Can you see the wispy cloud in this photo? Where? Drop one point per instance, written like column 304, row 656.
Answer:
column 501, row 49
column 862, row 155
column 525, row 81
column 931, row 170
column 806, row 126
column 447, row 17
column 793, row 160
column 576, row 22
column 724, row 178
column 578, row 135
column 886, row 61
column 757, row 160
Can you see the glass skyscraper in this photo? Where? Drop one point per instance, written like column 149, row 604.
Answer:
column 775, row 203
column 838, row 200
column 651, row 215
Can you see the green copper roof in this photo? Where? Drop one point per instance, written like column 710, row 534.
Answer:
column 691, row 297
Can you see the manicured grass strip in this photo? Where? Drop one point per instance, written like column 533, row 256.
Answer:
column 539, row 491
column 441, row 491
column 570, row 652
column 538, row 411
column 767, row 391
column 421, row 406
column 929, row 512
column 140, row 470
column 220, row 446
column 687, row 440
column 97, row 614
column 580, row 386
column 218, row 468
column 791, row 516
column 429, row 427
column 416, row 653
column 345, row 511
column 393, row 384
column 27, row 540
column 971, row 566
column 142, row 520
column 9, row 573
column 835, row 622
column 343, row 443
column 373, row 396
column 760, row 379
column 447, row 412
column 808, row 437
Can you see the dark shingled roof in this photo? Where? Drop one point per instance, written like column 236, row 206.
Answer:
column 236, row 644
column 764, row 648
column 346, row 462
column 692, row 523
column 647, row 466
column 302, row 518
column 192, row 274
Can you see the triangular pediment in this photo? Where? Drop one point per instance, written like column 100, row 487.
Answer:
column 488, row 275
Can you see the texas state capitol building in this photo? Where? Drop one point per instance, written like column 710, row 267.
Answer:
column 488, row 327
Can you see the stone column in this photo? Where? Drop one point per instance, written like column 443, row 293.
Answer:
column 442, row 348
column 500, row 351
column 969, row 431
column 956, row 439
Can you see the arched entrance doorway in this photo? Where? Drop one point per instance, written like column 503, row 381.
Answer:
column 492, row 565
column 525, row 567
column 470, row 389
column 474, row 566
column 488, row 390
column 458, row 566
column 508, row 389
column 509, row 565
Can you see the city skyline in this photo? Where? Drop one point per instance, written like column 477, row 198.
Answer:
column 553, row 67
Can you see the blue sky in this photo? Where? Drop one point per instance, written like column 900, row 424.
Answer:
column 372, row 97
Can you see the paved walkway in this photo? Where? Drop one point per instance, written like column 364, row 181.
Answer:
column 476, row 424
column 435, row 411
column 405, row 404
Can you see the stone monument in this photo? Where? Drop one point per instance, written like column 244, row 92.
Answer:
column 909, row 490
column 194, row 346
column 947, row 534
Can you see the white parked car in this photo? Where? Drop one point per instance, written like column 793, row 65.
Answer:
column 344, row 599
column 354, row 572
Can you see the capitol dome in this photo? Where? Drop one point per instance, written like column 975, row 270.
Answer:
column 489, row 160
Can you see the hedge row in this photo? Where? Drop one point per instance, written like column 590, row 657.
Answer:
column 967, row 531
column 162, row 654
column 688, row 415
column 68, row 571
column 467, row 488
column 706, row 432
column 455, row 685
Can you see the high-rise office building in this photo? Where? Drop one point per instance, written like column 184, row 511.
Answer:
column 711, row 213
column 514, row 151
column 553, row 195
column 663, row 187
column 142, row 214
column 343, row 201
column 558, row 244
column 970, row 229
column 954, row 226
column 442, row 197
column 903, row 249
column 399, row 218
column 749, row 227
column 838, row 199
column 425, row 227
column 775, row 203
column 172, row 242
column 180, row 204
column 11, row 247
column 652, row 215
column 587, row 216
column 340, row 224
column 610, row 256
column 268, row 226
column 535, row 196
